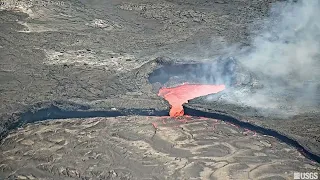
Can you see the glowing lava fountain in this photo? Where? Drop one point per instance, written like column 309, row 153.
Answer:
column 176, row 96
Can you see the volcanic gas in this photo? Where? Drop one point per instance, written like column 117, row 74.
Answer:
column 176, row 96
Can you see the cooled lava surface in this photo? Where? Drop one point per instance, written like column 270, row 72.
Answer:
column 176, row 96
column 86, row 63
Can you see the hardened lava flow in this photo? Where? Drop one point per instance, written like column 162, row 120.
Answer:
column 178, row 84
column 181, row 83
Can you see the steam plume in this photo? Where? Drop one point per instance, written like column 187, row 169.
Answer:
column 286, row 55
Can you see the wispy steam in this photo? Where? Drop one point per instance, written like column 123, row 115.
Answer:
column 286, row 55
column 290, row 44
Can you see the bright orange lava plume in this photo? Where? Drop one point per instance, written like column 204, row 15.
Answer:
column 179, row 95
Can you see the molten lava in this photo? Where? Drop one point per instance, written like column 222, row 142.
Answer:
column 179, row 95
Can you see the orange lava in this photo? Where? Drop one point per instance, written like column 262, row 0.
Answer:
column 179, row 95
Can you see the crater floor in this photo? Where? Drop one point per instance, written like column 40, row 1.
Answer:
column 96, row 55
column 136, row 147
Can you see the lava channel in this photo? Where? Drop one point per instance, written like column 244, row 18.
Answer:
column 179, row 95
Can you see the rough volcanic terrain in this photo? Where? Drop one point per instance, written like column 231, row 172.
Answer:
column 79, row 93
column 131, row 148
